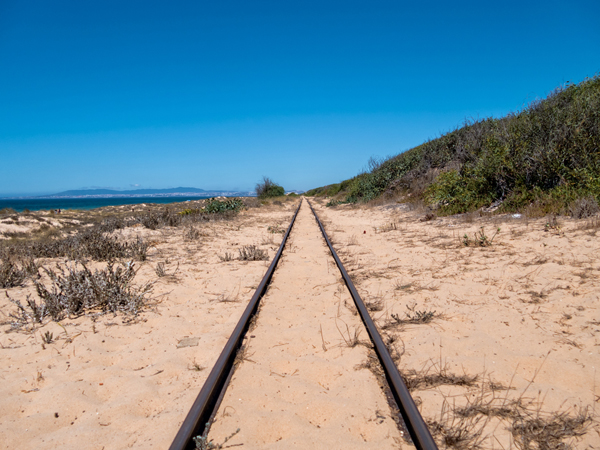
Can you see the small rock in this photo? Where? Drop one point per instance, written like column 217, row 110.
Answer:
column 188, row 342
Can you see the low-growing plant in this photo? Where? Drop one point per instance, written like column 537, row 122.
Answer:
column 552, row 223
column 90, row 243
column 549, row 431
column 75, row 290
column 584, row 207
column 351, row 339
column 48, row 337
column 138, row 249
column 479, row 239
column 10, row 274
column 191, row 233
column 252, row 253
column 275, row 229
column 414, row 316
column 162, row 272
column 202, row 442
column 226, row 257
column 215, row 205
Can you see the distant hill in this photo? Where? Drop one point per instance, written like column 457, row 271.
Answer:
column 136, row 192
column 172, row 192
column 544, row 159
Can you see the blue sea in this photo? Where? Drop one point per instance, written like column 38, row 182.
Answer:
column 36, row 204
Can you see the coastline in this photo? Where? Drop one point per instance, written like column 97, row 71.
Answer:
column 91, row 202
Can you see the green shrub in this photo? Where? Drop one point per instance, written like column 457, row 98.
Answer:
column 214, row 205
column 547, row 154
column 267, row 189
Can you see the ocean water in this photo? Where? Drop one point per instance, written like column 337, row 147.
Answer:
column 37, row 204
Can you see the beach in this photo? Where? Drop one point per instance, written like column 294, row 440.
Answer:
column 493, row 320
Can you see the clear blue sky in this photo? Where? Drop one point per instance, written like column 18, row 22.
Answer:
column 216, row 94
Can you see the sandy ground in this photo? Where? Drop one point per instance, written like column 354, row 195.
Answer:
column 521, row 315
column 298, row 385
column 513, row 338
column 111, row 383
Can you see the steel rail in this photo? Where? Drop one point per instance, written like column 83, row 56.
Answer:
column 198, row 418
column 415, row 424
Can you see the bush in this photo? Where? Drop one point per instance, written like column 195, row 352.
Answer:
column 546, row 153
column 214, row 205
column 252, row 253
column 10, row 274
column 267, row 188
column 584, row 208
column 75, row 291
column 89, row 243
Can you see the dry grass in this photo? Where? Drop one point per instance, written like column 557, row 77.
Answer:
column 435, row 374
column 75, row 290
column 252, row 253
column 412, row 316
column 351, row 338
column 479, row 238
column 548, row 431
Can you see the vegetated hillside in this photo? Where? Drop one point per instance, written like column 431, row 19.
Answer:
column 545, row 157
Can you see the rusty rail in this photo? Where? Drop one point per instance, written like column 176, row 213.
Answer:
column 198, row 418
column 415, row 424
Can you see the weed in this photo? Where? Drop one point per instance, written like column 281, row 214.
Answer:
column 552, row 223
column 459, row 433
column 90, row 243
column 202, row 442
column 592, row 224
column 47, row 338
column 392, row 226
column 436, row 375
column 353, row 240
column 375, row 305
column 479, row 239
column 268, row 240
column 413, row 317
column 138, row 249
column 160, row 270
column 350, row 339
column 275, row 229
column 227, row 257
column 583, row 208
column 74, row 291
column 546, row 432
column 24, row 316
column 252, row 253
column 10, row 274
column 196, row 367
column 191, row 233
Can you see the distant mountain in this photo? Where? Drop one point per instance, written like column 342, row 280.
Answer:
column 112, row 192
column 173, row 192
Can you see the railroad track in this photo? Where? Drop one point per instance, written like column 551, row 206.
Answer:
column 202, row 413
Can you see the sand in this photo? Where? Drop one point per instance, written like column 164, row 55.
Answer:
column 521, row 315
column 299, row 385
column 522, row 312
column 113, row 384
